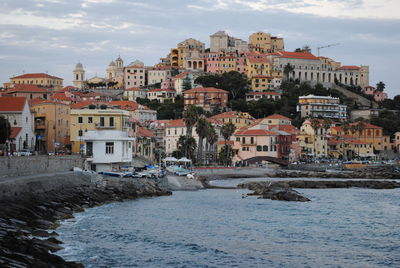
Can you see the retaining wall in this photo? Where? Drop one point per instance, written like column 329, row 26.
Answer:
column 39, row 164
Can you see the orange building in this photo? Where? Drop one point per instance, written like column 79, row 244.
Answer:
column 207, row 98
column 38, row 79
column 27, row 91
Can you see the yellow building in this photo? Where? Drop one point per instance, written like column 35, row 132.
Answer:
column 367, row 133
column 239, row 119
column 52, row 125
column 83, row 120
column 265, row 43
column 227, row 63
column 257, row 65
column 347, row 148
column 261, row 83
column 314, row 141
column 38, row 79
column 187, row 54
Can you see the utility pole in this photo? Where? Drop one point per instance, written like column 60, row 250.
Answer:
column 331, row 45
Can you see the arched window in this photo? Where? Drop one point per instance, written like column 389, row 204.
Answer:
column 265, row 148
column 259, row 148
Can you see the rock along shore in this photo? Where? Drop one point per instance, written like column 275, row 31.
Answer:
column 283, row 190
column 27, row 214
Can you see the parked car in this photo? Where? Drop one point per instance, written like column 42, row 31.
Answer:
column 25, row 152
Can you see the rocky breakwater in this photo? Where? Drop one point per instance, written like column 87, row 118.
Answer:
column 26, row 218
column 283, row 190
column 376, row 173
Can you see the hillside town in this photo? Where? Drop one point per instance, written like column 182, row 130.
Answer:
column 237, row 103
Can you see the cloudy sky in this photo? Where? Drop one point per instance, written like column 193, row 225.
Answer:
column 53, row 35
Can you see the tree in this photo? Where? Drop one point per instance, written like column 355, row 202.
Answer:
column 235, row 83
column 212, row 138
column 186, row 83
column 190, row 117
column 380, row 86
column 5, row 130
column 227, row 131
column 209, row 80
column 360, row 128
column 201, row 130
column 315, row 124
column 225, row 155
column 186, row 145
column 288, row 69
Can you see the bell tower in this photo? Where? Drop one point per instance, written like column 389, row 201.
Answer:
column 79, row 76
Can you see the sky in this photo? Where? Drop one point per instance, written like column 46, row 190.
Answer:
column 53, row 35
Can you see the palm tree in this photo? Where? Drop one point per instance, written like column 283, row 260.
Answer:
column 190, row 117
column 187, row 146
column 315, row 125
column 212, row 138
column 201, row 130
column 360, row 126
column 227, row 131
column 287, row 70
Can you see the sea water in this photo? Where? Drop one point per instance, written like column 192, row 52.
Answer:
column 218, row 228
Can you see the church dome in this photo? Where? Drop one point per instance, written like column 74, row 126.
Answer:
column 78, row 66
column 112, row 63
column 136, row 63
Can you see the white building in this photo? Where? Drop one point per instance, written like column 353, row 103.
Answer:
column 135, row 75
column 309, row 68
column 321, row 106
column 108, row 150
column 16, row 111
column 157, row 75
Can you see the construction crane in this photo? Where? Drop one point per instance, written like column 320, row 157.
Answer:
column 331, row 45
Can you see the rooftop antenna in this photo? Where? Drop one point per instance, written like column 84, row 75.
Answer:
column 331, row 45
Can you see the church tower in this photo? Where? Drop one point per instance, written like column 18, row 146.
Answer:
column 79, row 76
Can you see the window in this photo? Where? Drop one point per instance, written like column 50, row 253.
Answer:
column 238, row 139
column 252, row 140
column 109, row 148
column 102, row 121
column 243, row 140
column 80, row 133
column 259, row 148
column 111, row 121
column 265, row 148
column 90, row 120
column 80, row 119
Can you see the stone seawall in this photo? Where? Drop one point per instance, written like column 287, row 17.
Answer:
column 31, row 205
column 39, row 164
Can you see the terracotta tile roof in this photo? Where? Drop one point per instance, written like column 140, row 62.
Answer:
column 205, row 90
column 181, row 75
column 231, row 114
column 175, row 123
column 257, row 59
column 43, row 101
column 15, row 131
column 27, row 88
column 296, row 55
column 368, row 125
column 36, row 75
column 12, row 104
column 350, row 67
column 126, row 105
column 162, row 90
column 254, row 132
column 60, row 96
column 144, row 132
column 287, row 128
column 82, row 104
column 277, row 116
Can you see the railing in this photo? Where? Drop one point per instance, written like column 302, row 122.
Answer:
column 104, row 127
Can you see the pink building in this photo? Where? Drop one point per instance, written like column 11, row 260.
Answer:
column 211, row 62
column 368, row 90
column 380, row 96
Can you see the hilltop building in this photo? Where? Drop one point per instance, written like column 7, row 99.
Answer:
column 265, row 43
column 222, row 42
column 38, row 79
column 79, row 76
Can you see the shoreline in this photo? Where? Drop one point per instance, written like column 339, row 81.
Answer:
column 26, row 219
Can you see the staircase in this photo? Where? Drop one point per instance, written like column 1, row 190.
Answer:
column 361, row 101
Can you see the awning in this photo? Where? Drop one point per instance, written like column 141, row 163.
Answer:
column 184, row 159
column 170, row 159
